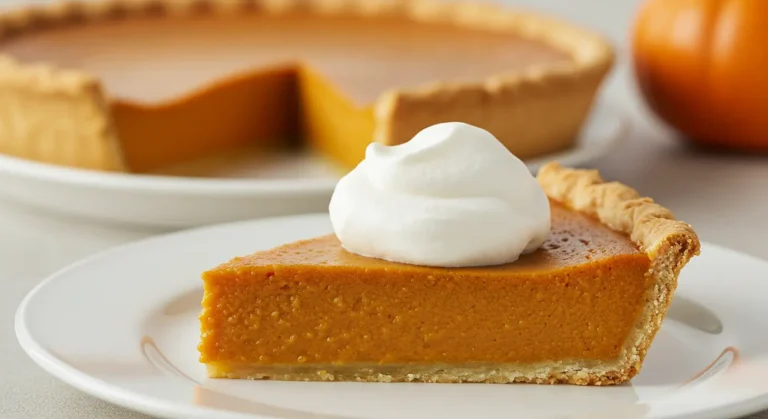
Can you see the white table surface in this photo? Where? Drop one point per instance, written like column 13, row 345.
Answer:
column 723, row 196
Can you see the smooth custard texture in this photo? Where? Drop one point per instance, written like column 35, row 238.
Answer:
column 311, row 302
column 155, row 59
column 184, row 86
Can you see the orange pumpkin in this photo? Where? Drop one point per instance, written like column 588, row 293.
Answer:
column 702, row 66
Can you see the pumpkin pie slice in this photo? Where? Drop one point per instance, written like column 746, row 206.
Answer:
column 139, row 85
column 582, row 309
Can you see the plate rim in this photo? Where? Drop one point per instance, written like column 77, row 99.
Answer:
column 153, row 405
column 150, row 183
column 99, row 388
column 63, row 175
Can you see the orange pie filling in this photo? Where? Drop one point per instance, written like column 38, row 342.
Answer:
column 312, row 306
column 183, row 87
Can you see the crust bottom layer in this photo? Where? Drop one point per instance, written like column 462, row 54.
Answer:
column 586, row 372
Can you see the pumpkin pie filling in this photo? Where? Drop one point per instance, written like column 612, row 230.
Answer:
column 312, row 303
column 183, row 87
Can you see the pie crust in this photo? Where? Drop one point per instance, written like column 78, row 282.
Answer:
column 541, row 108
column 669, row 244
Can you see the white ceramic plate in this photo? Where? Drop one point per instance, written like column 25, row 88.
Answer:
column 123, row 327
column 227, row 188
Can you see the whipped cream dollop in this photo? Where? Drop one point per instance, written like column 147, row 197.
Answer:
column 452, row 196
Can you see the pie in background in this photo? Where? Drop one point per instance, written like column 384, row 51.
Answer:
column 124, row 85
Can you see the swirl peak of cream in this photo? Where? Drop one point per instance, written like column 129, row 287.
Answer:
column 453, row 196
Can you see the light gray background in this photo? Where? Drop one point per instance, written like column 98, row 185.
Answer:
column 724, row 197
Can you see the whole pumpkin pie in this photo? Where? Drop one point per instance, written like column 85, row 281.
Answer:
column 137, row 85
column 582, row 309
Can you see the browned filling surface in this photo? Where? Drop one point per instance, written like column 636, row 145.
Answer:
column 153, row 59
column 577, row 297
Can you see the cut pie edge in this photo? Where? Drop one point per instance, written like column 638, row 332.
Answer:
column 499, row 102
column 54, row 115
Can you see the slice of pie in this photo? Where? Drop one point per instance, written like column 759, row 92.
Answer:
column 138, row 85
column 583, row 309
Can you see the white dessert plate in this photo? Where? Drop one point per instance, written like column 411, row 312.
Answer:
column 122, row 326
column 241, row 186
